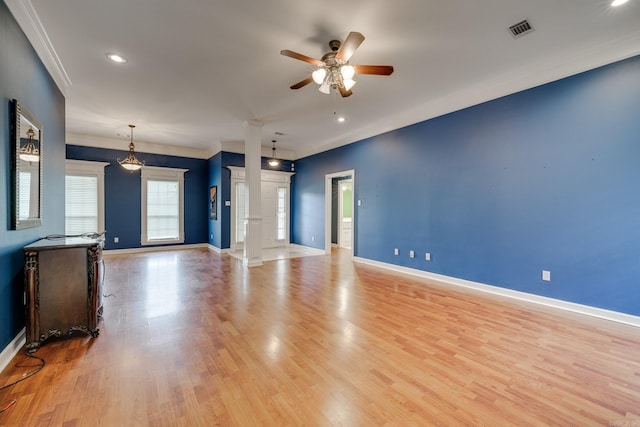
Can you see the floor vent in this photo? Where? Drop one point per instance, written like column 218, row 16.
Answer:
column 521, row 28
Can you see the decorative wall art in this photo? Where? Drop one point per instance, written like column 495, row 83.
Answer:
column 213, row 202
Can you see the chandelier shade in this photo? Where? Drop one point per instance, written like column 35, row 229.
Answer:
column 131, row 162
column 273, row 161
column 30, row 152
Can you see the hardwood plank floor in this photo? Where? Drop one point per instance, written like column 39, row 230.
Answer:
column 192, row 338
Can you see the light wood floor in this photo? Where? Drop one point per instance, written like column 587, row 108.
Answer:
column 192, row 338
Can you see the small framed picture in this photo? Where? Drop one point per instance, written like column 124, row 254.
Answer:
column 213, row 202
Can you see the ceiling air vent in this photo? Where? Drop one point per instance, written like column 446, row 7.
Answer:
column 521, row 28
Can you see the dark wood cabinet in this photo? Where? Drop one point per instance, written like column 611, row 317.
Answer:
column 63, row 286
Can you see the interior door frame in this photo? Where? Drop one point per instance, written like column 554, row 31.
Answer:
column 327, row 208
column 341, row 184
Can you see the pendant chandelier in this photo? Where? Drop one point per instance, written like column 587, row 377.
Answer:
column 273, row 161
column 29, row 152
column 131, row 163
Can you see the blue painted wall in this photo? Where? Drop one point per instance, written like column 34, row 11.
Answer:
column 24, row 77
column 215, row 178
column 123, row 192
column 546, row 178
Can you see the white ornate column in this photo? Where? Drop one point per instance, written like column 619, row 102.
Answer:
column 252, row 163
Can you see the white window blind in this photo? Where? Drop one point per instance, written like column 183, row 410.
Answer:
column 282, row 214
column 84, row 196
column 163, row 210
column 25, row 191
column 241, row 211
column 81, row 204
column 162, row 205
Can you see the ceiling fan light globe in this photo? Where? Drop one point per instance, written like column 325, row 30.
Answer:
column 325, row 88
column 319, row 75
column 348, row 83
column 347, row 72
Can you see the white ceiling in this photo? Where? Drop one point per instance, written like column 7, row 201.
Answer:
column 198, row 69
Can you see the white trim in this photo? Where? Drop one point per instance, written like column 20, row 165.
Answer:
column 155, row 249
column 327, row 208
column 307, row 248
column 89, row 168
column 13, row 348
column 29, row 21
column 600, row 313
column 141, row 146
column 161, row 174
column 238, row 175
column 217, row 250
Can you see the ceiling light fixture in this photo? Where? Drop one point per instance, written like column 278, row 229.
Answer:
column 333, row 76
column 30, row 152
column 273, row 161
column 116, row 58
column 131, row 163
column 616, row 3
column 333, row 71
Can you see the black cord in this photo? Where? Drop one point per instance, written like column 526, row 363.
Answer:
column 37, row 369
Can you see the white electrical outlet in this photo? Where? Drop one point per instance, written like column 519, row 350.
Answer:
column 313, row 238
column 412, row 254
column 227, row 203
column 359, row 202
column 546, row 275
column 116, row 239
column 427, row 256
column 396, row 251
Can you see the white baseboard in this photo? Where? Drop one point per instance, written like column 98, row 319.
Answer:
column 12, row 349
column 601, row 313
column 217, row 249
column 155, row 249
column 308, row 249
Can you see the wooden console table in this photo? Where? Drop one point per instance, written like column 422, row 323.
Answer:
column 63, row 286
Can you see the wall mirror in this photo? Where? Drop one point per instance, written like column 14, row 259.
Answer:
column 26, row 164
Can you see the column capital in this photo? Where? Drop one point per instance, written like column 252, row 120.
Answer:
column 252, row 123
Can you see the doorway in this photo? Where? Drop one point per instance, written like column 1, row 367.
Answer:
column 345, row 213
column 340, row 219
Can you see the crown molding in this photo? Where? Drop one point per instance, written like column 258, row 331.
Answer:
column 30, row 23
column 141, row 147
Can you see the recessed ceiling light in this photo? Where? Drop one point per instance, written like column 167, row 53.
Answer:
column 341, row 119
column 615, row 3
column 116, row 58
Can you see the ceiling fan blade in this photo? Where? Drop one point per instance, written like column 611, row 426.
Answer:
column 302, row 83
column 349, row 46
column 379, row 70
column 343, row 91
column 301, row 57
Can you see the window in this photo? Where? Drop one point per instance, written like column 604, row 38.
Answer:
column 282, row 214
column 84, row 197
column 241, row 211
column 162, row 205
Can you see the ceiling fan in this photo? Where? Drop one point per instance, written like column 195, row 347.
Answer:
column 334, row 71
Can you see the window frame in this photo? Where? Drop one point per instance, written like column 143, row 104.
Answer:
column 156, row 173
column 92, row 169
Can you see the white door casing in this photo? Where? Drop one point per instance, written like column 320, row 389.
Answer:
column 270, row 182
